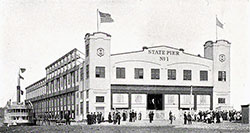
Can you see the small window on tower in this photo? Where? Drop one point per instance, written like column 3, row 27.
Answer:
column 100, row 99
column 221, row 100
column 222, row 76
column 100, row 72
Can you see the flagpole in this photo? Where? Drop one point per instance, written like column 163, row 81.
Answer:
column 97, row 21
column 216, row 27
column 18, row 87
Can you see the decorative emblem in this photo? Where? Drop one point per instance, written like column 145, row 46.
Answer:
column 100, row 52
column 222, row 57
column 138, row 99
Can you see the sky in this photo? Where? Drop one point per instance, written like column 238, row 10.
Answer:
column 35, row 33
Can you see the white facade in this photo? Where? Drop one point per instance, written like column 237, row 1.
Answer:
column 159, row 78
column 128, row 92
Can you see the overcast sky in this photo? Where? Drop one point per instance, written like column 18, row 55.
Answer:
column 34, row 33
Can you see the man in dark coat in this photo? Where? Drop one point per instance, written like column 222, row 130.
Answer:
column 170, row 117
column 185, row 118
column 67, row 118
column 118, row 118
column 151, row 116
column 130, row 116
column 88, row 119
column 109, row 117
column 124, row 116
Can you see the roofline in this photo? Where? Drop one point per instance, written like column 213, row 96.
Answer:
column 62, row 57
column 89, row 34
column 35, row 83
column 158, row 47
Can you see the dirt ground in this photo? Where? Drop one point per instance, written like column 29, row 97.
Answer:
column 137, row 127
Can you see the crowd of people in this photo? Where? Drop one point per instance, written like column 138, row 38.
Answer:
column 212, row 116
column 94, row 118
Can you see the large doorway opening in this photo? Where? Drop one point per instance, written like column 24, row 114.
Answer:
column 155, row 102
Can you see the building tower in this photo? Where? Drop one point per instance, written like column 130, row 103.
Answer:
column 219, row 52
column 97, row 73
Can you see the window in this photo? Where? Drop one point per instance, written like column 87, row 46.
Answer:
column 87, row 93
column 187, row 74
column 138, row 73
column 171, row 74
column 81, row 74
column 100, row 99
column 77, row 77
column 203, row 75
column 155, row 73
column 77, row 106
column 87, row 50
column 100, row 72
column 81, row 107
column 87, row 71
column 221, row 100
column 222, row 76
column 120, row 73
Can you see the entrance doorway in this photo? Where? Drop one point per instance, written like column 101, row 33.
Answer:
column 155, row 102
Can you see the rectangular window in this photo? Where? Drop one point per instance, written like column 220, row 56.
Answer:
column 81, row 107
column 77, row 106
column 155, row 73
column 138, row 73
column 100, row 72
column 120, row 73
column 77, row 77
column 87, row 106
column 221, row 100
column 87, row 71
column 99, row 99
column 187, row 75
column 222, row 76
column 81, row 73
column 87, row 93
column 171, row 74
column 203, row 75
column 87, row 50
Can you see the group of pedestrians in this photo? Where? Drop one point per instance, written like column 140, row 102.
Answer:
column 212, row 116
column 187, row 118
column 116, row 116
column 95, row 118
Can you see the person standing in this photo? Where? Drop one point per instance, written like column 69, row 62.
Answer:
column 139, row 116
column 185, row 118
column 123, row 116
column 109, row 117
column 171, row 117
column 189, row 118
column 151, row 116
column 118, row 118
column 130, row 116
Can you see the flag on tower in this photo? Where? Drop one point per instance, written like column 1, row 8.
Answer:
column 105, row 17
column 22, row 70
column 21, row 77
column 218, row 23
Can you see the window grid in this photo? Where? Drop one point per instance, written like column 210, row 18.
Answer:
column 120, row 72
column 100, row 72
column 138, row 73
column 203, row 75
column 155, row 73
column 171, row 74
column 222, row 76
column 187, row 75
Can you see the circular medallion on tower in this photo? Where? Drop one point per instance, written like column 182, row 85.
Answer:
column 100, row 52
column 222, row 57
